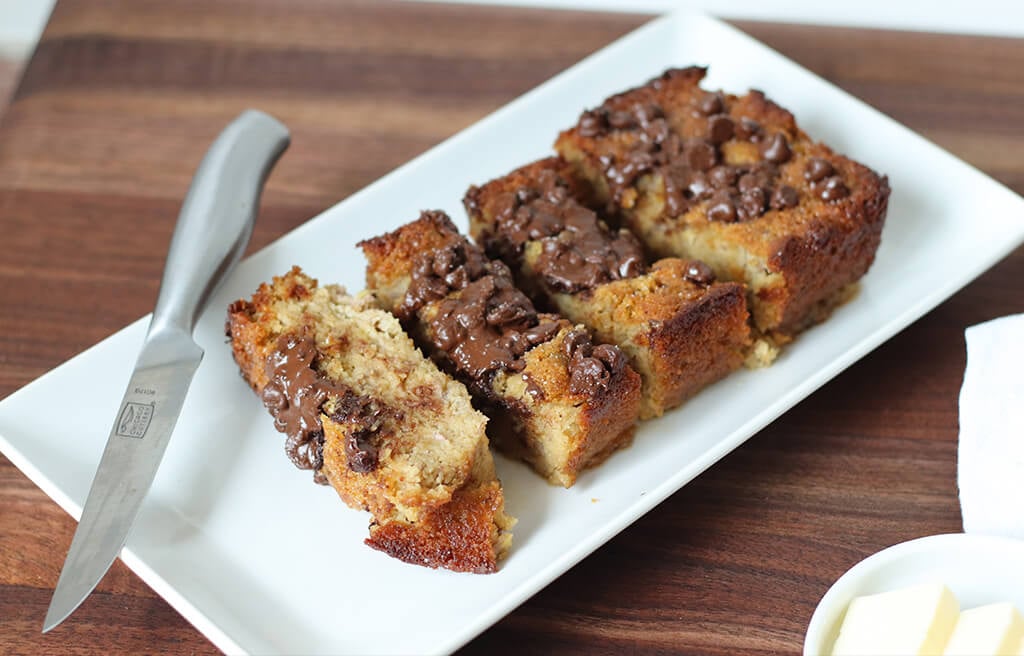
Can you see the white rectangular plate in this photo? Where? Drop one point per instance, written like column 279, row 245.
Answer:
column 261, row 560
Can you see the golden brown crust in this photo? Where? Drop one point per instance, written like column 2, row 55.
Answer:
column 536, row 415
column 680, row 335
column 432, row 504
column 456, row 537
column 793, row 260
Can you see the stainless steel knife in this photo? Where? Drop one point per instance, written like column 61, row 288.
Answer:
column 212, row 232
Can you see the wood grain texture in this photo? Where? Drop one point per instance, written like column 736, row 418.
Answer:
column 9, row 71
column 122, row 98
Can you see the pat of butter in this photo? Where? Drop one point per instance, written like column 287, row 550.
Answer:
column 916, row 620
column 987, row 631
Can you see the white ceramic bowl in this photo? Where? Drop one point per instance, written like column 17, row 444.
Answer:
column 978, row 569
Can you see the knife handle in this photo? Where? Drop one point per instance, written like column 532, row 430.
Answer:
column 217, row 217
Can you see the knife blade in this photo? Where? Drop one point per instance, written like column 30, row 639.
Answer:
column 212, row 231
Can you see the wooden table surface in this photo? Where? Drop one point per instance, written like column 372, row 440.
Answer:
column 122, row 98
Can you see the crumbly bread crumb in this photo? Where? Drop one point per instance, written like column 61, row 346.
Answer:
column 433, row 492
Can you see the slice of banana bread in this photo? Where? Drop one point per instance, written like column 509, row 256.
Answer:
column 732, row 181
column 363, row 409
column 680, row 329
column 556, row 400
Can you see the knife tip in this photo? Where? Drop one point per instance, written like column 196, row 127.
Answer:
column 55, row 614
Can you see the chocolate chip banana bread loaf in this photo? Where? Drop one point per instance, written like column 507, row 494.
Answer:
column 369, row 414
column 680, row 328
column 556, row 399
column 734, row 182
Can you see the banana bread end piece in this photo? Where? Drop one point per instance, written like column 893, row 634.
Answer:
column 370, row 415
column 733, row 181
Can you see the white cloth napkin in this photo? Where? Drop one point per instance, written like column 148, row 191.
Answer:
column 990, row 467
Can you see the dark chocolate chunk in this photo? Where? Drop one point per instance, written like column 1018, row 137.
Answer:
column 593, row 123
column 701, row 155
column 748, row 129
column 710, row 104
column 676, row 182
column 752, row 203
column 723, row 176
column 699, row 273
column 834, row 189
column 576, row 340
column 784, row 197
column 362, row 419
column 776, row 149
column 613, row 358
column 720, row 128
column 648, row 113
column 698, row 187
column 295, row 394
column 622, row 120
column 591, row 367
column 722, row 208
column 818, row 169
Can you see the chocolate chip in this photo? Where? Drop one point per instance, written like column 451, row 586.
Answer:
column 701, row 155
column 722, row 209
column 631, row 267
column 587, row 375
column 648, row 113
column 748, row 129
column 749, row 181
column 508, row 311
column 576, row 340
column 776, row 149
column 556, row 194
column 622, row 120
column 698, row 187
column 699, row 273
column 711, row 104
column 593, row 123
column 655, row 132
column 361, row 452
column 784, row 197
column 723, row 176
column 525, row 194
column 720, row 128
column 752, row 203
column 613, row 358
column 834, row 189
column 818, row 169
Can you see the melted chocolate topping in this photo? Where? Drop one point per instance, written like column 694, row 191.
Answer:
column 450, row 268
column 490, row 324
column 591, row 367
column 488, row 328
column 365, row 418
column 295, row 395
column 692, row 168
column 578, row 252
